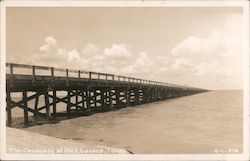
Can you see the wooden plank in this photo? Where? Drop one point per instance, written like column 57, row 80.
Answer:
column 18, row 65
column 130, row 79
column 42, row 67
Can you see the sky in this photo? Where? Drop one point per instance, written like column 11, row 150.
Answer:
column 195, row 46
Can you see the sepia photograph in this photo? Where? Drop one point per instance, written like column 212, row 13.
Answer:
column 157, row 80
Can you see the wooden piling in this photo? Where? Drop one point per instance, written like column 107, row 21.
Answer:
column 36, row 104
column 25, row 110
column 54, row 103
column 46, row 95
column 88, row 99
column 33, row 75
column 11, row 75
column 137, row 96
column 68, row 103
column 83, row 100
column 76, row 100
column 128, row 96
column 95, row 98
column 110, row 99
column 9, row 116
column 102, row 99
column 117, row 96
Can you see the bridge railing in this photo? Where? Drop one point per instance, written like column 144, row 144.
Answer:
column 82, row 74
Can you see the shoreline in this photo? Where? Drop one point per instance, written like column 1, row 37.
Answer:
column 24, row 142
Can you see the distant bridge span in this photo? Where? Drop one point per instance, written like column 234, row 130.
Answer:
column 87, row 92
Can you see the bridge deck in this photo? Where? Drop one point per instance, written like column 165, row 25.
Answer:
column 26, row 82
column 87, row 92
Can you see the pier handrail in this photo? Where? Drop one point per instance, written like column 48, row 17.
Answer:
column 91, row 74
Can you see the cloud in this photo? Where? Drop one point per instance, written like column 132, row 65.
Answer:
column 117, row 51
column 90, row 49
column 73, row 55
column 49, row 43
column 182, row 63
column 211, row 68
column 191, row 60
column 142, row 60
column 215, row 44
column 115, row 59
column 50, row 40
column 214, row 55
column 141, row 65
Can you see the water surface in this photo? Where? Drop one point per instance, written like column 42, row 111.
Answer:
column 193, row 124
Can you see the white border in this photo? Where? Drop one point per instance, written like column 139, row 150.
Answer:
column 2, row 84
column 244, row 156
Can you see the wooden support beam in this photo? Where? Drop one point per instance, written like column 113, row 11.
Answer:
column 88, row 99
column 137, row 96
column 52, row 73
column 140, row 96
column 23, row 107
column 9, row 116
column 67, row 77
column 25, row 110
column 83, row 100
column 54, row 103
column 22, row 101
column 11, row 75
column 95, row 95
column 126, row 91
column 117, row 97
column 102, row 99
column 76, row 99
column 64, row 100
column 110, row 99
column 149, row 94
column 79, row 78
column 33, row 75
column 68, row 104
column 128, row 96
column 46, row 96
column 90, row 75
column 36, row 104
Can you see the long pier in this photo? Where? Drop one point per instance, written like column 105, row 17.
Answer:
column 87, row 92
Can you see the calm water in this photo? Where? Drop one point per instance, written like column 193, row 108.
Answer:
column 194, row 124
